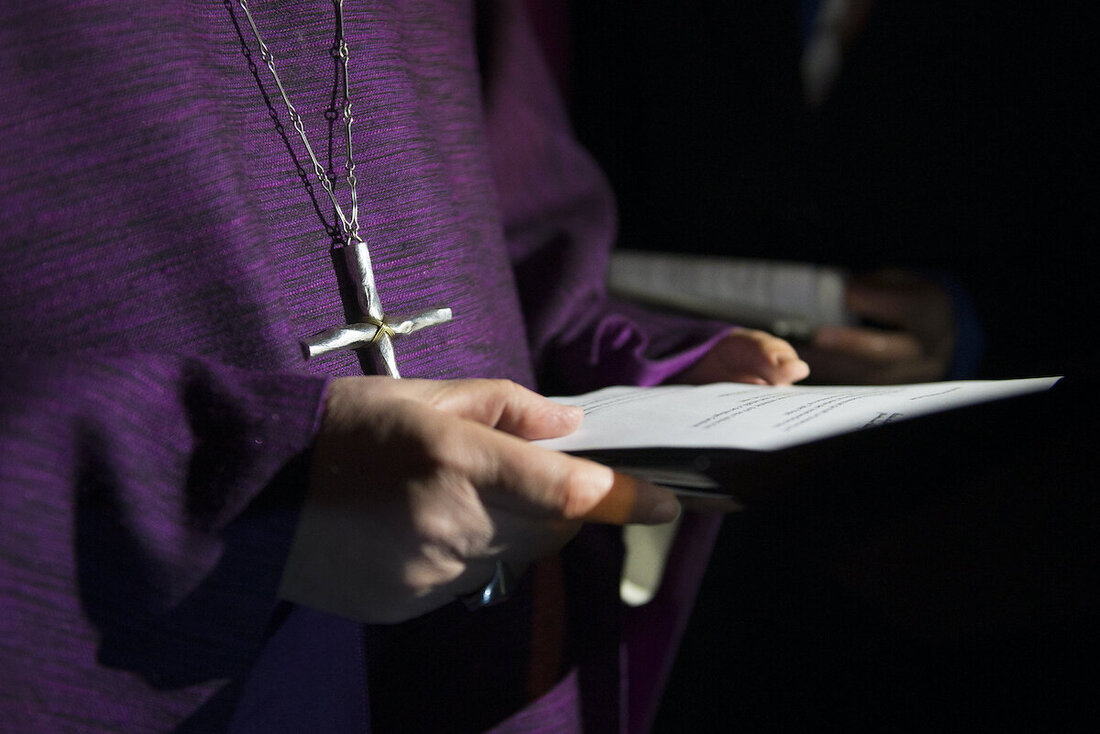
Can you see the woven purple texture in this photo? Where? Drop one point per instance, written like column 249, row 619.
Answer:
column 160, row 262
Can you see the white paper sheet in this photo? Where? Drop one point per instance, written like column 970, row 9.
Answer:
column 737, row 416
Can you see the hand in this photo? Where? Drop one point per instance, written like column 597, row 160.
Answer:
column 916, row 345
column 748, row 355
column 418, row 486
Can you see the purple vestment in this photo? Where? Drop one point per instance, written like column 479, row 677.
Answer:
column 161, row 261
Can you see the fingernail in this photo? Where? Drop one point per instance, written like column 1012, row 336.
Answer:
column 664, row 512
column 572, row 414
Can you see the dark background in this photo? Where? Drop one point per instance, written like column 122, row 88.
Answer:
column 959, row 139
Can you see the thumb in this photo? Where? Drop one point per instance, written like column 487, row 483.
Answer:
column 508, row 407
column 568, row 487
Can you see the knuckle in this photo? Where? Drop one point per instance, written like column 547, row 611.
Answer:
column 495, row 384
column 434, row 446
column 450, row 523
column 435, row 452
column 511, row 392
column 575, row 495
column 436, row 529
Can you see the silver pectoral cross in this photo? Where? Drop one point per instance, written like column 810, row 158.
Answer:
column 372, row 330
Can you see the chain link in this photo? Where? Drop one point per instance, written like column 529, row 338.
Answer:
column 333, row 231
column 349, row 224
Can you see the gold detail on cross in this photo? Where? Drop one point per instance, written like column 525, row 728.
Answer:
column 372, row 330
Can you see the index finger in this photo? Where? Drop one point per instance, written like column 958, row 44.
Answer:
column 620, row 506
column 512, row 472
column 506, row 406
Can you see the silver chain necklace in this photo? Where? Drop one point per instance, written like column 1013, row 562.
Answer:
column 372, row 329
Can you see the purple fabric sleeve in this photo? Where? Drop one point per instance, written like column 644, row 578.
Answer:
column 559, row 220
column 147, row 504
